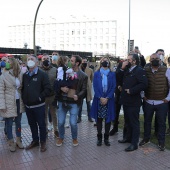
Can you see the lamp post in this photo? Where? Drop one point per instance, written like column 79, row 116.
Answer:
column 34, row 46
column 129, row 30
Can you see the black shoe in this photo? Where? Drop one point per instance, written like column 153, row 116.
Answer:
column 124, row 141
column 113, row 131
column 131, row 148
column 79, row 120
column 43, row 147
column 90, row 120
column 95, row 124
column 143, row 142
column 32, row 145
column 161, row 147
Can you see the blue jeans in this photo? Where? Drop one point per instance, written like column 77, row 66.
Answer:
column 36, row 118
column 9, row 123
column 62, row 112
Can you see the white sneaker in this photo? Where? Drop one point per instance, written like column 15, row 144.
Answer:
column 50, row 127
column 67, row 126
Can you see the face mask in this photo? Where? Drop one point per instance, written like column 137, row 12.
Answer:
column 31, row 64
column 3, row 64
column 155, row 62
column 55, row 57
column 129, row 65
column 69, row 65
column 46, row 63
column 7, row 66
column 84, row 65
column 161, row 57
column 105, row 64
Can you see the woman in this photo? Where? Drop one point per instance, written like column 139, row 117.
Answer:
column 11, row 105
column 104, row 84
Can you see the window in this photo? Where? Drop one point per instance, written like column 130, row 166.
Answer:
column 72, row 32
column 61, row 32
column 107, row 46
column 107, row 30
column 101, row 46
column 84, row 32
column 101, row 30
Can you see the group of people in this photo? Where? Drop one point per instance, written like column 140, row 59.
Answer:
column 59, row 86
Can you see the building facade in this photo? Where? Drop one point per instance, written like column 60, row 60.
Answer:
column 99, row 37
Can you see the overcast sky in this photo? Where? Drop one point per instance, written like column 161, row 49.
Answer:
column 150, row 26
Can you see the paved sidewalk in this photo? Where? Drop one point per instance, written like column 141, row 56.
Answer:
column 86, row 156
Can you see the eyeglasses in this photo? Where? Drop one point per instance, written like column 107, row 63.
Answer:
column 155, row 59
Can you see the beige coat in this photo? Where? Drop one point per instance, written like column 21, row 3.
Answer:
column 7, row 94
column 89, row 73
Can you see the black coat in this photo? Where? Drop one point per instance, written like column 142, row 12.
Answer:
column 35, row 88
column 135, row 81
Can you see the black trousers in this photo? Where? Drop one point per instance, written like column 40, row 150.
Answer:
column 100, row 126
column 161, row 111
column 132, row 125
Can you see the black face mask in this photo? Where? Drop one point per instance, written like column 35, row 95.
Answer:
column 155, row 63
column 46, row 63
column 105, row 64
column 129, row 65
column 84, row 65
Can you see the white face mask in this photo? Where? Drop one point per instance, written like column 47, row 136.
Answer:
column 30, row 64
column 161, row 57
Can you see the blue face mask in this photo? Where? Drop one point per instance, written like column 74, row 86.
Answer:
column 3, row 64
column 55, row 57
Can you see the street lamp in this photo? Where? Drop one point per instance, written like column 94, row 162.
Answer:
column 129, row 30
column 34, row 46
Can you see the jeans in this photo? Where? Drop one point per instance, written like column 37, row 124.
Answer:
column 88, row 109
column 62, row 112
column 36, row 118
column 161, row 113
column 53, row 111
column 9, row 123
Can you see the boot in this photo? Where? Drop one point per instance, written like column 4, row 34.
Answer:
column 106, row 140
column 99, row 139
column 19, row 143
column 12, row 145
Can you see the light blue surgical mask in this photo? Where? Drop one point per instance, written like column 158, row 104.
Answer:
column 55, row 57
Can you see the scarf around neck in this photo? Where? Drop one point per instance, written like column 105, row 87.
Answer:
column 104, row 74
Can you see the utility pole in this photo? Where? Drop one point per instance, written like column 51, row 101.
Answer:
column 34, row 44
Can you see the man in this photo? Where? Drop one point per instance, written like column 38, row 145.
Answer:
column 156, row 100
column 134, row 81
column 142, row 60
column 54, row 59
column 36, row 87
column 51, row 72
column 73, row 101
column 161, row 54
column 88, row 95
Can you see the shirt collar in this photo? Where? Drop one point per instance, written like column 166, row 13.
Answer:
column 132, row 68
column 33, row 72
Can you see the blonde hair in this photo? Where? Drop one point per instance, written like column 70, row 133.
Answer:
column 62, row 60
column 15, row 66
column 101, row 60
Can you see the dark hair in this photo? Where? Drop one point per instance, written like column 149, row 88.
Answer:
column 78, row 59
column 160, row 50
column 135, row 57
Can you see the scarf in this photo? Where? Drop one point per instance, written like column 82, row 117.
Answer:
column 104, row 74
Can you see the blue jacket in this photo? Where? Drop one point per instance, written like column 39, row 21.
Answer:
column 98, row 92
